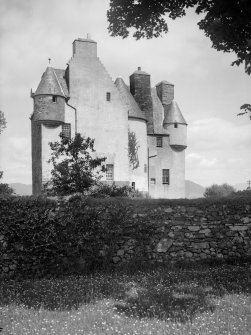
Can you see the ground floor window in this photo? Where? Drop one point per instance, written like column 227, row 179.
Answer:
column 109, row 172
column 165, row 176
column 66, row 130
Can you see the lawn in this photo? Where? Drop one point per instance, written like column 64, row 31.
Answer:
column 196, row 299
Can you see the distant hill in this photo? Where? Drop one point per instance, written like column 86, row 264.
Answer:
column 194, row 190
column 21, row 189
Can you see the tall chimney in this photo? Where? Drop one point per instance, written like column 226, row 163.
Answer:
column 140, row 88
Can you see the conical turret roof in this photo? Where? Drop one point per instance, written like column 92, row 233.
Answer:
column 128, row 100
column 52, row 83
column 173, row 114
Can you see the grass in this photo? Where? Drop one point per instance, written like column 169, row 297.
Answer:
column 196, row 299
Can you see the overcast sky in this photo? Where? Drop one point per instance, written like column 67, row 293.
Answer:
column 208, row 90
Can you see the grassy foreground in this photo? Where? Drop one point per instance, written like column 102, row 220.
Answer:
column 185, row 300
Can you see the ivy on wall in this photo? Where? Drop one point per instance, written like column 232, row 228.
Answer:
column 133, row 147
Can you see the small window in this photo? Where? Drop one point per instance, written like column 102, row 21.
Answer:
column 66, row 130
column 133, row 185
column 108, row 96
column 165, row 176
column 152, row 181
column 54, row 98
column 109, row 172
column 176, row 125
column 145, row 168
column 159, row 141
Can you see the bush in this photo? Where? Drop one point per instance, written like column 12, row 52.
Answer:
column 110, row 190
column 218, row 191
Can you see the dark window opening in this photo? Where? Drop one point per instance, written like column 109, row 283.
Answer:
column 54, row 98
column 108, row 96
column 165, row 176
column 176, row 125
column 159, row 141
column 152, row 181
column 66, row 130
column 109, row 172
column 133, row 185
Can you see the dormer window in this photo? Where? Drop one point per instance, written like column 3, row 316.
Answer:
column 54, row 98
column 108, row 96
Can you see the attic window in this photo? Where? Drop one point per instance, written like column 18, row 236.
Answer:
column 176, row 125
column 108, row 96
column 54, row 98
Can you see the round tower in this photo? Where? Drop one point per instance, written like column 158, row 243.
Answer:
column 48, row 114
column 176, row 125
column 137, row 139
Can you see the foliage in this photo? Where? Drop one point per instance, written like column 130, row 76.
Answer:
column 225, row 22
column 133, row 147
column 247, row 110
column 75, row 169
column 218, row 191
column 104, row 190
column 5, row 190
column 2, row 122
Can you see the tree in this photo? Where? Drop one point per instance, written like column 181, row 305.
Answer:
column 225, row 22
column 2, row 122
column 75, row 169
column 4, row 188
column 218, row 191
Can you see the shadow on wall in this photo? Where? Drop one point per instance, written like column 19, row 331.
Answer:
column 174, row 294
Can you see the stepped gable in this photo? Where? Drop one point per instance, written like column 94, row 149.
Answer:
column 128, row 100
column 173, row 114
column 53, row 83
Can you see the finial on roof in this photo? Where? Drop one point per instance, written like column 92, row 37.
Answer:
column 88, row 36
column 139, row 68
column 49, row 59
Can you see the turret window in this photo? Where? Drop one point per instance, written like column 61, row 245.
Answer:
column 108, row 96
column 165, row 176
column 54, row 98
column 159, row 141
column 66, row 130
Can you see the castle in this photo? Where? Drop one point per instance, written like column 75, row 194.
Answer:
column 83, row 98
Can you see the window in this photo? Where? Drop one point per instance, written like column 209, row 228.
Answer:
column 108, row 96
column 152, row 181
column 165, row 176
column 159, row 141
column 145, row 168
column 176, row 125
column 133, row 185
column 54, row 98
column 109, row 172
column 66, row 130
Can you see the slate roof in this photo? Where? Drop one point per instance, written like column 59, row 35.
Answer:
column 173, row 114
column 164, row 82
column 53, row 82
column 158, row 114
column 128, row 101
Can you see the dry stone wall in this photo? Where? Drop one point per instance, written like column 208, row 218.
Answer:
column 41, row 237
column 190, row 233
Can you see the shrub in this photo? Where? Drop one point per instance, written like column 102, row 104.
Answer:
column 218, row 191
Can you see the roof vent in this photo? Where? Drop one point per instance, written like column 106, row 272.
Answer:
column 139, row 68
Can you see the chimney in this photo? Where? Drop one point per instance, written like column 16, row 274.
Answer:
column 165, row 92
column 140, row 88
column 85, row 47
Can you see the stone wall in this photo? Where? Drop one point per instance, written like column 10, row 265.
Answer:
column 189, row 233
column 117, row 232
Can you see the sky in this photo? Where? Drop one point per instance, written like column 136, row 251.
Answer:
column 208, row 90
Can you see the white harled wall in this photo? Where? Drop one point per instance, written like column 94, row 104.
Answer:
column 139, row 175
column 105, row 121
